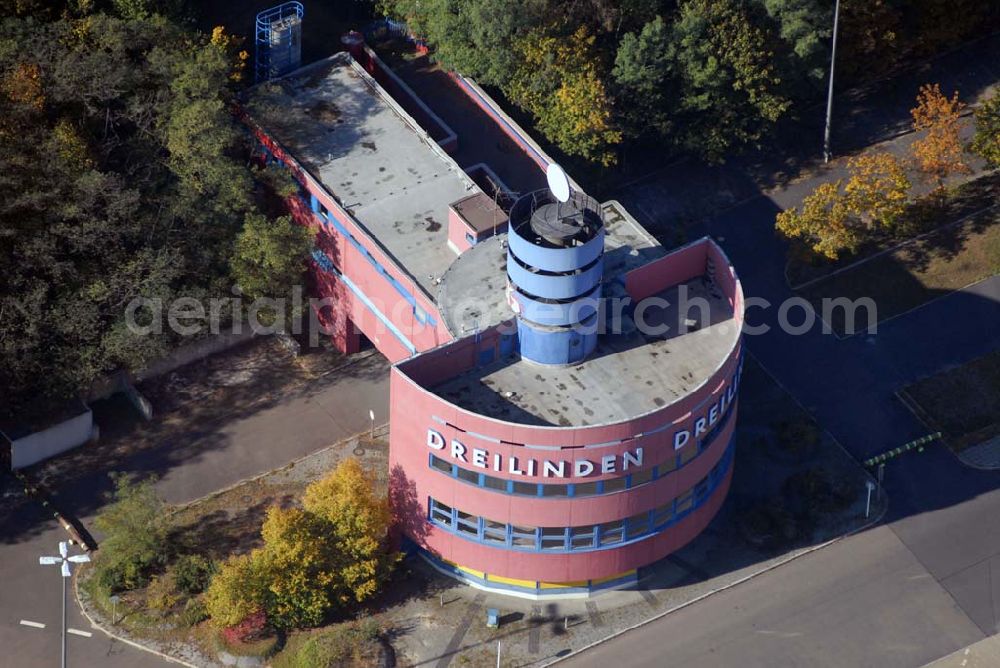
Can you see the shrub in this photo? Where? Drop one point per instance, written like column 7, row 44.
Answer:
column 162, row 594
column 236, row 591
column 192, row 573
column 339, row 646
column 194, row 612
column 135, row 535
column 253, row 627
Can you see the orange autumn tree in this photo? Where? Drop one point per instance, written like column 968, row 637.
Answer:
column 938, row 152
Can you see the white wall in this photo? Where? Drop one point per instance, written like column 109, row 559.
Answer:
column 49, row 442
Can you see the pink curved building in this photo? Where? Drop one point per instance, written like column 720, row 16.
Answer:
column 564, row 391
column 554, row 480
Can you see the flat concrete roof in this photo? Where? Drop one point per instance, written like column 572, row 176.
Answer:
column 628, row 375
column 370, row 155
column 472, row 294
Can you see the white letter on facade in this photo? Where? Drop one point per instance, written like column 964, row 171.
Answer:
column 582, row 468
column 479, row 457
column 550, row 470
column 630, row 459
column 457, row 450
column 435, row 440
column 681, row 438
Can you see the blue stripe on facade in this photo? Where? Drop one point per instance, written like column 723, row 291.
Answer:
column 326, row 264
column 418, row 311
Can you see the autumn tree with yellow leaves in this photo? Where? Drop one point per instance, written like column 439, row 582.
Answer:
column 561, row 82
column 938, row 152
column 837, row 217
column 330, row 553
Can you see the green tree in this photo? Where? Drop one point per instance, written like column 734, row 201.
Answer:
column 728, row 89
column 134, row 534
column 123, row 175
column 986, row 141
column 642, row 72
column 270, row 256
column 471, row 36
column 806, row 26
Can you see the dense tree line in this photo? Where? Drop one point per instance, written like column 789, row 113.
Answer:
column 711, row 77
column 123, row 174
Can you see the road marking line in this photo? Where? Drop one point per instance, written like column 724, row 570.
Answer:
column 77, row 632
column 36, row 625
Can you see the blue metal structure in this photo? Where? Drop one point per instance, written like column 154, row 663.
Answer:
column 278, row 43
column 555, row 265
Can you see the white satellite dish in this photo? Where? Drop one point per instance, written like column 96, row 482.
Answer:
column 558, row 182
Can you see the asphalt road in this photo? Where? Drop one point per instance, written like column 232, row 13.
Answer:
column 811, row 613
column 215, row 456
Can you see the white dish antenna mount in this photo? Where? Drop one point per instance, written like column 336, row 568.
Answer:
column 558, row 182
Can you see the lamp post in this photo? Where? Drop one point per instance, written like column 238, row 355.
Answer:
column 829, row 93
column 63, row 560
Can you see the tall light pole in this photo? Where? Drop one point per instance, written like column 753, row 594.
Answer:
column 829, row 93
column 64, row 561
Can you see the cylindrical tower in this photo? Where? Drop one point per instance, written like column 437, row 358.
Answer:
column 555, row 264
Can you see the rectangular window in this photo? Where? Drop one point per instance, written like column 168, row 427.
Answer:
column 642, row 477
column 555, row 490
column 685, row 501
column 583, row 538
column 614, row 485
column 490, row 482
column 441, row 513
column 468, row 476
column 585, row 489
column 701, row 488
column 523, row 537
column 553, row 538
column 688, row 453
column 661, row 515
column 467, row 524
column 441, row 464
column 637, row 525
column 612, row 532
column 494, row 532
column 526, row 488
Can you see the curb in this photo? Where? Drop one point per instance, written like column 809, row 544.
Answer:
column 113, row 636
column 806, row 551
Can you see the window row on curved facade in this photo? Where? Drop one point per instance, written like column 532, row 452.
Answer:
column 581, row 538
column 580, row 489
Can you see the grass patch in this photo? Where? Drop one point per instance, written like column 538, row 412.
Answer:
column 934, row 265
column 346, row 645
column 963, row 402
